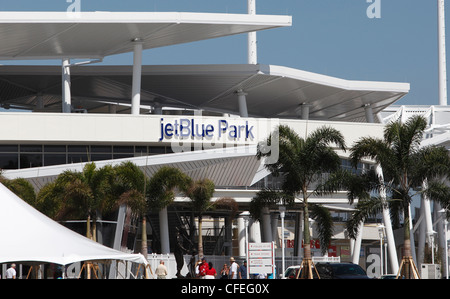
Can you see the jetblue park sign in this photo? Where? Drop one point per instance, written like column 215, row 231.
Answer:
column 219, row 133
column 185, row 128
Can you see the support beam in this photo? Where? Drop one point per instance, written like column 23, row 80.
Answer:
column 66, row 94
column 442, row 54
column 242, row 99
column 252, row 39
column 241, row 236
column 137, row 77
column 392, row 250
column 357, row 244
column 369, row 113
column 164, row 231
column 266, row 225
column 305, row 111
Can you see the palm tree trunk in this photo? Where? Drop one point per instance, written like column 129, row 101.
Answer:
column 88, row 227
column 144, row 237
column 200, row 237
column 94, row 229
column 407, row 231
column 306, row 234
column 307, row 265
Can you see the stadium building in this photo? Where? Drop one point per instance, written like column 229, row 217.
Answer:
column 203, row 119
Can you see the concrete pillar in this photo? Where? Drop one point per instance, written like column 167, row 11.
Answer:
column 137, row 74
column 241, row 236
column 266, row 226
column 252, row 40
column 305, row 111
column 66, row 93
column 369, row 113
column 164, row 231
column 242, row 101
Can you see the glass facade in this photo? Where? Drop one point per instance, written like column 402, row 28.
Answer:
column 19, row 156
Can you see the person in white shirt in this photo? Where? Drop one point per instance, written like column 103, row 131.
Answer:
column 161, row 271
column 11, row 272
column 233, row 269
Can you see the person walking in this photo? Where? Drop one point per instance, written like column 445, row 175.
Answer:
column 243, row 271
column 234, row 267
column 161, row 271
column 11, row 272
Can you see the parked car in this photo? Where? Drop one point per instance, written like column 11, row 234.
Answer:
column 340, row 271
column 389, row 276
column 290, row 272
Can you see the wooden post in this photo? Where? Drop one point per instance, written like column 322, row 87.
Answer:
column 408, row 269
column 306, row 268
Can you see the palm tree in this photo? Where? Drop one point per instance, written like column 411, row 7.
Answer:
column 406, row 166
column 302, row 163
column 130, row 187
column 22, row 188
column 161, row 191
column 200, row 192
column 85, row 194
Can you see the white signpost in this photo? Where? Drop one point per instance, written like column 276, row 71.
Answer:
column 261, row 258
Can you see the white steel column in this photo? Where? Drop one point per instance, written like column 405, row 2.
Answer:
column 305, row 111
column 442, row 54
column 386, row 214
column 137, row 74
column 266, row 224
column 164, row 231
column 66, row 94
column 388, row 225
column 242, row 99
column 357, row 248
column 427, row 214
column 252, row 40
column 369, row 113
column 241, row 236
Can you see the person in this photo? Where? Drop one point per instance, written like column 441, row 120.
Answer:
column 261, row 276
column 224, row 272
column 179, row 252
column 11, row 272
column 203, row 268
column 243, row 271
column 197, row 268
column 210, row 272
column 234, row 267
column 161, row 271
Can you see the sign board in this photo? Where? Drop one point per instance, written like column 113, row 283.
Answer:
column 261, row 258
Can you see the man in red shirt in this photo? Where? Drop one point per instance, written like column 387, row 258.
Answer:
column 211, row 272
column 203, row 268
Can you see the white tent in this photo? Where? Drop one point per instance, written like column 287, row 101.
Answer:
column 29, row 236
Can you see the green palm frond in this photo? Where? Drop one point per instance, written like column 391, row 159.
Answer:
column 324, row 224
column 364, row 209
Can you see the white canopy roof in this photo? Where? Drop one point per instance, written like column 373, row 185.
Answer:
column 272, row 91
column 29, row 236
column 51, row 35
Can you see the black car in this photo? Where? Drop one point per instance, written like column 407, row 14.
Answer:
column 340, row 271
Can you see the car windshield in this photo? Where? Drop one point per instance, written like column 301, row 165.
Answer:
column 340, row 269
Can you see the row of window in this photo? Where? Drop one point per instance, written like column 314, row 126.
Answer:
column 27, row 156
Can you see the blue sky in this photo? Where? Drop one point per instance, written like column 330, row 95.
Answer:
column 331, row 37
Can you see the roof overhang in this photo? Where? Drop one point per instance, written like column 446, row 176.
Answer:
column 225, row 167
column 51, row 35
column 272, row 91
